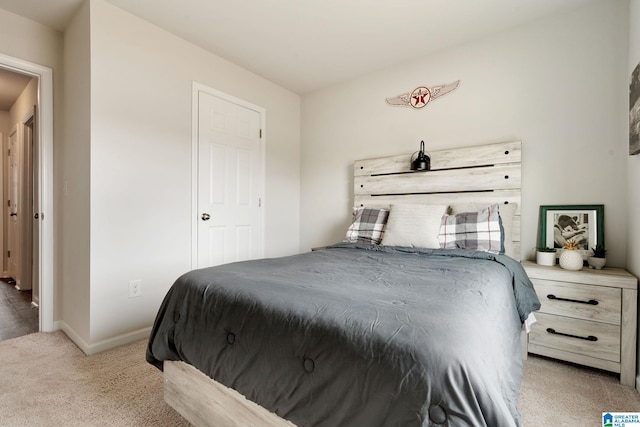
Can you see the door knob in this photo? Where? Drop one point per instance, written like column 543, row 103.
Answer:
column 206, row 217
column 13, row 214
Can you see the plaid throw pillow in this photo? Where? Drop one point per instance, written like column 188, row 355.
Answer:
column 479, row 231
column 367, row 226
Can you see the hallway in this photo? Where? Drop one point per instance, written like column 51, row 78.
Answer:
column 17, row 316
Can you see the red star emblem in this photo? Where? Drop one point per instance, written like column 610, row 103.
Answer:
column 420, row 97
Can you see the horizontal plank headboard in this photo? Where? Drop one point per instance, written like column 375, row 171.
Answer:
column 483, row 174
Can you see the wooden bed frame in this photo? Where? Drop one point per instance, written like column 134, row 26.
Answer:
column 482, row 174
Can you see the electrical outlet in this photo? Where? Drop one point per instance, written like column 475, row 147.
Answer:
column 135, row 288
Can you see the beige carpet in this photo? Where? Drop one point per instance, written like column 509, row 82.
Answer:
column 559, row 394
column 45, row 380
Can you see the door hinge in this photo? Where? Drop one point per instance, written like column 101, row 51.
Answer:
column 9, row 152
column 260, row 133
column 259, row 202
column 8, row 254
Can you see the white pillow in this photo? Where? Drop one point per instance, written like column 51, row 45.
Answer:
column 414, row 225
column 507, row 213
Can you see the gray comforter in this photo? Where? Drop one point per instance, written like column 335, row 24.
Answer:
column 357, row 335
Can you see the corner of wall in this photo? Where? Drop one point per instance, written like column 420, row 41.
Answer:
column 103, row 345
column 633, row 166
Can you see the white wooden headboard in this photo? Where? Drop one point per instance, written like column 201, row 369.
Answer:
column 483, row 174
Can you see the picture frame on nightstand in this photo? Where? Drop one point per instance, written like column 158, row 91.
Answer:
column 582, row 224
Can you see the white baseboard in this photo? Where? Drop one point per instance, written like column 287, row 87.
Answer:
column 103, row 345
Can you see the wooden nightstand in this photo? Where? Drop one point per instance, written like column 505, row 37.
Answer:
column 587, row 317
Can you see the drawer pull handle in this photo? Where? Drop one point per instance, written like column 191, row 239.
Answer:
column 589, row 338
column 590, row 302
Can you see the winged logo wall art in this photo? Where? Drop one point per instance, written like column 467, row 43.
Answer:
column 419, row 97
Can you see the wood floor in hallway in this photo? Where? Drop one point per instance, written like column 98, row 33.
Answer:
column 18, row 316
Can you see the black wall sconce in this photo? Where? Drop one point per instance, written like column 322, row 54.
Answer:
column 422, row 162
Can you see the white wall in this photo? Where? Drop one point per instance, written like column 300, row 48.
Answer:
column 558, row 85
column 73, row 155
column 633, row 162
column 140, row 175
column 24, row 103
column 5, row 122
column 29, row 40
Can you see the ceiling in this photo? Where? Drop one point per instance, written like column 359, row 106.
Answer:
column 306, row 45
column 11, row 86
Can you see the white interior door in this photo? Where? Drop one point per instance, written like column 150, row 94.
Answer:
column 229, row 182
column 13, row 250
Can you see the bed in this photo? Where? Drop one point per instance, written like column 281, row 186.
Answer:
column 362, row 333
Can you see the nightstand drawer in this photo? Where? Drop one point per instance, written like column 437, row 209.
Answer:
column 597, row 303
column 584, row 337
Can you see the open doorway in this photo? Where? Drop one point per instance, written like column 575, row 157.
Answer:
column 19, row 308
column 28, row 188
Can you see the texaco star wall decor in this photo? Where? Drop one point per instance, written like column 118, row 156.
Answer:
column 422, row 95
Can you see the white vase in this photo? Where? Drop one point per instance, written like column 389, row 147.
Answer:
column 545, row 258
column 596, row 263
column 571, row 260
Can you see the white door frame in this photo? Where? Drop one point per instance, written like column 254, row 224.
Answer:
column 14, row 194
column 45, row 180
column 196, row 88
column 27, row 203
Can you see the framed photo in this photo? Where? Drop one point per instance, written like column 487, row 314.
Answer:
column 581, row 224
